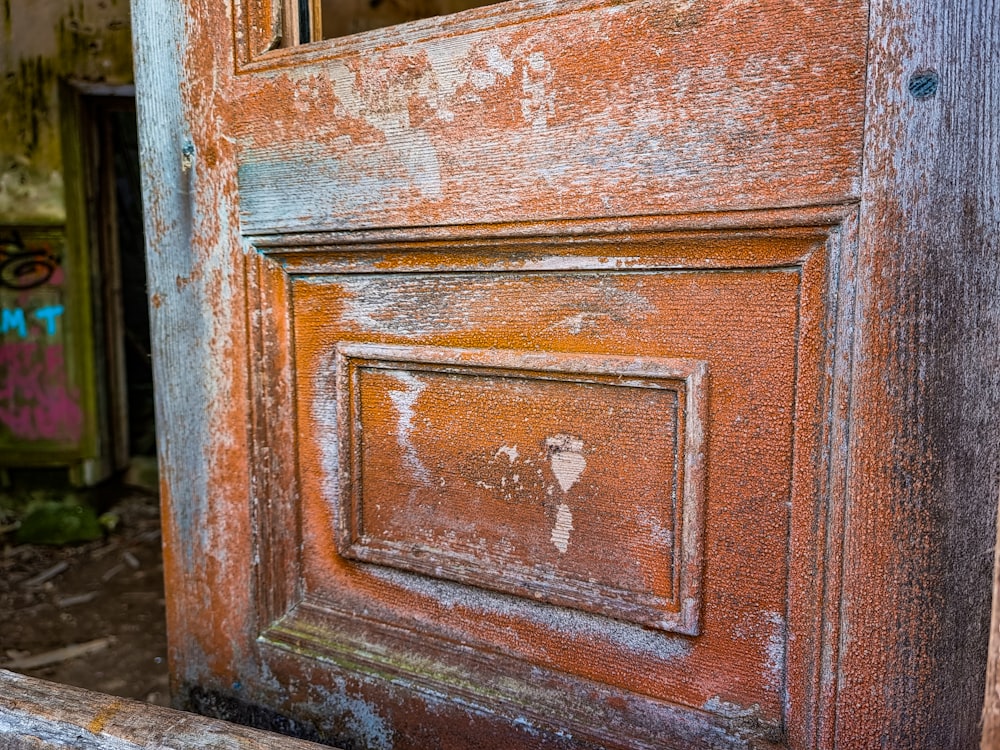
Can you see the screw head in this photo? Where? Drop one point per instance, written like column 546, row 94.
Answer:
column 924, row 84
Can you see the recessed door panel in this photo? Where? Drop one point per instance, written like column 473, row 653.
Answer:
column 570, row 479
column 584, row 475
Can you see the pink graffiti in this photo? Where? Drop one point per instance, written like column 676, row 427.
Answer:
column 36, row 401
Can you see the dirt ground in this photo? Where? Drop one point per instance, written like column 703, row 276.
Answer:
column 91, row 614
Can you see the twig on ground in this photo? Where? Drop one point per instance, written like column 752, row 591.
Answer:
column 112, row 572
column 47, row 575
column 69, row 601
column 60, row 654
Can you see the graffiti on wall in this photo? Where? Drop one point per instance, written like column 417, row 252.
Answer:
column 25, row 267
column 37, row 399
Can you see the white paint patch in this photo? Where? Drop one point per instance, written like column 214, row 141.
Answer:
column 386, row 108
column 576, row 324
column 361, row 719
column 538, row 104
column 776, row 641
column 509, row 451
column 655, row 646
column 421, row 159
column 716, row 705
column 496, row 62
column 564, row 525
column 566, row 458
column 405, row 400
column 482, row 79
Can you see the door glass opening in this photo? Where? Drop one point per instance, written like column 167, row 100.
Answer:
column 329, row 19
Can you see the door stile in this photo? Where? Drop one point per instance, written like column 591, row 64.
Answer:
column 815, row 624
column 274, row 483
column 195, row 267
column 925, row 408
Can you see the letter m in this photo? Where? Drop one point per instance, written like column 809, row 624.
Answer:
column 13, row 318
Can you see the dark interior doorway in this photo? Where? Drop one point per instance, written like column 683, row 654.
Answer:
column 116, row 221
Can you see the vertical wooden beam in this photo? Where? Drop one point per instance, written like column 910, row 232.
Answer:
column 925, row 442
column 195, row 264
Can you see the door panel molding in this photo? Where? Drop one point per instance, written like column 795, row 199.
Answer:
column 652, row 408
column 360, row 631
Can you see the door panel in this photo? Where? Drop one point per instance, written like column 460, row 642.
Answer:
column 473, row 519
column 517, row 112
column 508, row 467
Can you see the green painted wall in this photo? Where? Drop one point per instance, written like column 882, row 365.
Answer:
column 51, row 399
column 44, row 42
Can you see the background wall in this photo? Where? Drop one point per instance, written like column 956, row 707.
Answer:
column 52, row 52
column 45, row 42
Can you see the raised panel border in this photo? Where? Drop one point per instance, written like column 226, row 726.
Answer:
column 818, row 242
column 676, row 612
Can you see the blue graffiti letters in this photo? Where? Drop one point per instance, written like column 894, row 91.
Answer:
column 49, row 315
column 14, row 319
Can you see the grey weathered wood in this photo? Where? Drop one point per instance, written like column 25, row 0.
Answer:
column 926, row 399
column 991, row 704
column 40, row 715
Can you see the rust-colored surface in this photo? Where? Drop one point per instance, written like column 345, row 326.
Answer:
column 526, row 492
column 654, row 314
column 639, row 182
column 594, row 109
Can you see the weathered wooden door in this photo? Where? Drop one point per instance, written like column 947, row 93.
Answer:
column 576, row 374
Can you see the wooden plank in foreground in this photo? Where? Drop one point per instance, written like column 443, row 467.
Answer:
column 42, row 715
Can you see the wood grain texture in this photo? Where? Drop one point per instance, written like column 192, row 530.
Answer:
column 926, row 399
column 991, row 703
column 611, row 109
column 40, row 715
column 198, row 318
column 854, row 403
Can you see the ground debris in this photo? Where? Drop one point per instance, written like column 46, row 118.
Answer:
column 72, row 601
column 73, row 651
column 83, row 594
column 47, row 575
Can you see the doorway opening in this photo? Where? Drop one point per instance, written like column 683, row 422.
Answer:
column 81, row 576
column 116, row 232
